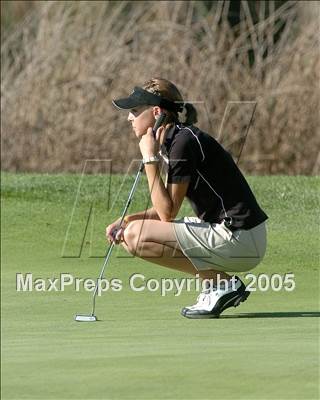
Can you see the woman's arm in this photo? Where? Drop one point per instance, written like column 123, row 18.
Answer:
column 114, row 229
column 150, row 213
column 166, row 201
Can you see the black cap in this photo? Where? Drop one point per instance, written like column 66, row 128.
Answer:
column 141, row 97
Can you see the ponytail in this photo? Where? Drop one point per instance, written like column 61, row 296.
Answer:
column 188, row 115
column 167, row 90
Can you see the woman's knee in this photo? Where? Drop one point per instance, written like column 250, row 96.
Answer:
column 131, row 235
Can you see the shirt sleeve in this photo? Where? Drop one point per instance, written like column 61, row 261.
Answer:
column 182, row 161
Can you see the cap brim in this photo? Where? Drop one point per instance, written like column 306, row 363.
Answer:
column 126, row 104
column 141, row 97
column 138, row 97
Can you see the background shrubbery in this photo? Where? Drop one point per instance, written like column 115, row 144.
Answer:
column 65, row 61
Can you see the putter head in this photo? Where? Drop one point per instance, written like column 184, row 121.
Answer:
column 85, row 318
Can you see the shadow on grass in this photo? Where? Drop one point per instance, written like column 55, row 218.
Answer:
column 288, row 314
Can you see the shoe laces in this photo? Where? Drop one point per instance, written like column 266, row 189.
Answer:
column 204, row 296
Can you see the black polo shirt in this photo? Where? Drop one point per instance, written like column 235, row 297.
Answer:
column 217, row 189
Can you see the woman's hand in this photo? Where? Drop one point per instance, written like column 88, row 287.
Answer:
column 149, row 146
column 114, row 232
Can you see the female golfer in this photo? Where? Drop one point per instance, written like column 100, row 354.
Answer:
column 228, row 233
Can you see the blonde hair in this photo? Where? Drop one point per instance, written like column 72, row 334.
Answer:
column 166, row 89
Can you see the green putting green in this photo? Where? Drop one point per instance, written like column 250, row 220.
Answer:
column 141, row 348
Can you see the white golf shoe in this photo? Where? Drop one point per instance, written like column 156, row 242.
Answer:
column 212, row 301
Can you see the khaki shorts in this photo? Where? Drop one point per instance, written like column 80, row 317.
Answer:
column 214, row 246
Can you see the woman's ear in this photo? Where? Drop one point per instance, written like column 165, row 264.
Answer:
column 156, row 111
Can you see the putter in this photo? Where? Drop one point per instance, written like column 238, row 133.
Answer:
column 92, row 317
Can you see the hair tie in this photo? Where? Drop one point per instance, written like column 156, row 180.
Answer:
column 183, row 113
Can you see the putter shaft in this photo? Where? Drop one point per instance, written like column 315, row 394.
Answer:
column 158, row 123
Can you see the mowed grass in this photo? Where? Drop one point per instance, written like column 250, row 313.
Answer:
column 268, row 348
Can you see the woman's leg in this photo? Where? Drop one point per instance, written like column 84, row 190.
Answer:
column 164, row 255
column 155, row 241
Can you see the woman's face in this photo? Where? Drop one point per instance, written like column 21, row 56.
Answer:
column 141, row 119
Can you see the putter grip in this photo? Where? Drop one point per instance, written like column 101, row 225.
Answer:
column 158, row 123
